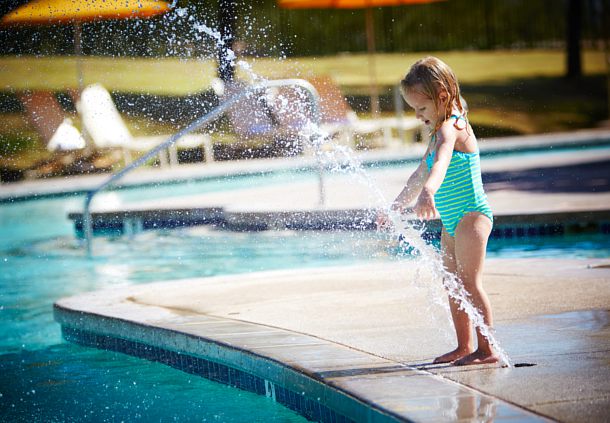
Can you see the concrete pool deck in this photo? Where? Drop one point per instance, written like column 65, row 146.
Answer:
column 360, row 340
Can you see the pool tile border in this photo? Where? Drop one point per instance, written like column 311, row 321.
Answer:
column 219, row 362
column 214, row 371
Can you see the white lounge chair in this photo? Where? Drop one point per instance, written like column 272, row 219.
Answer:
column 104, row 125
column 66, row 138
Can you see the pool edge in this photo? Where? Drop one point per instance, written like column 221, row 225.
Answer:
column 294, row 383
column 229, row 359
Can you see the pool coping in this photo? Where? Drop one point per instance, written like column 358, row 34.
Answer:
column 344, row 385
column 216, row 361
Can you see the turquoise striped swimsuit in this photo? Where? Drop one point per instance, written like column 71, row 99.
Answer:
column 462, row 189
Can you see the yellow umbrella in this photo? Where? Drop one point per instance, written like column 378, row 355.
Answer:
column 69, row 11
column 370, row 29
column 51, row 12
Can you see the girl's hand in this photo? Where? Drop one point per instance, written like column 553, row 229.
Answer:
column 383, row 220
column 425, row 208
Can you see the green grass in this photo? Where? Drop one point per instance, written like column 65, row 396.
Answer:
column 173, row 76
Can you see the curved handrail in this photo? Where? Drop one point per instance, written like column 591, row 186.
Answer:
column 204, row 120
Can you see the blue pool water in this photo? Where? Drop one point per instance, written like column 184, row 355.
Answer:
column 43, row 378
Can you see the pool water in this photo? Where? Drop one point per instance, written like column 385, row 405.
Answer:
column 43, row 378
column 67, row 383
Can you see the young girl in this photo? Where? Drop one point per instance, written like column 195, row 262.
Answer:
column 448, row 180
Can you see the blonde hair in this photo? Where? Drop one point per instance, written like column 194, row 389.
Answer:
column 434, row 76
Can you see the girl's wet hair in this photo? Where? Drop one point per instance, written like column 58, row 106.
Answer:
column 434, row 76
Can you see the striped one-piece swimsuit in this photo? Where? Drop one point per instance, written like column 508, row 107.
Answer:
column 461, row 191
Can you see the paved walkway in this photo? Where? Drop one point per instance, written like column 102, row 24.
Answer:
column 524, row 188
column 371, row 332
column 532, row 184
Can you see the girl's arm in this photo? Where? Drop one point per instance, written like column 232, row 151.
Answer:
column 425, row 207
column 406, row 196
column 412, row 188
column 414, row 184
column 408, row 193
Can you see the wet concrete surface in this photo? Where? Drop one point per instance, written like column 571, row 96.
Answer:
column 566, row 354
column 355, row 327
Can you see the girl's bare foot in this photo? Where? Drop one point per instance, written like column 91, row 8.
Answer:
column 451, row 356
column 478, row 357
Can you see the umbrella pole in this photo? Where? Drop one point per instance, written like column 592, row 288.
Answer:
column 78, row 31
column 78, row 53
column 370, row 40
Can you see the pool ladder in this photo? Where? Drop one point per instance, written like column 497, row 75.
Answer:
column 198, row 123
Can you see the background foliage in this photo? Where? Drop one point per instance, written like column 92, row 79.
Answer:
column 267, row 30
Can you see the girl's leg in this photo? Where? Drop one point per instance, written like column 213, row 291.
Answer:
column 461, row 322
column 471, row 237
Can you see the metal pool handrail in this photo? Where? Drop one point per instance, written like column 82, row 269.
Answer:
column 204, row 120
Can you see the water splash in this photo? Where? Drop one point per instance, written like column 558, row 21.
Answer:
column 429, row 259
column 294, row 107
column 342, row 159
column 410, row 236
column 432, row 260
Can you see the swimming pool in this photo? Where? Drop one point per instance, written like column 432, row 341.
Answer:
column 45, row 378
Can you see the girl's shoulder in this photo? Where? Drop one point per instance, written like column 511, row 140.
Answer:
column 457, row 131
column 446, row 131
column 455, row 121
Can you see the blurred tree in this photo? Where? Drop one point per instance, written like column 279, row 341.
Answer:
column 573, row 34
column 267, row 30
column 227, row 21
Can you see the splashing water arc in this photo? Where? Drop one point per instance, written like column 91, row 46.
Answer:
column 339, row 159
column 342, row 159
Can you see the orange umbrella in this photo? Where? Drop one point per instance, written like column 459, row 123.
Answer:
column 51, row 12
column 370, row 29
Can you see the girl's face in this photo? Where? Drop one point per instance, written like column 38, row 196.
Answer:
column 425, row 108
